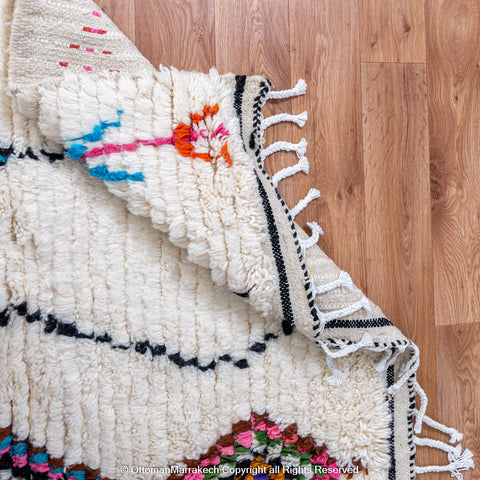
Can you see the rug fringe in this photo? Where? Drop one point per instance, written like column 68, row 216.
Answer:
column 459, row 459
column 303, row 166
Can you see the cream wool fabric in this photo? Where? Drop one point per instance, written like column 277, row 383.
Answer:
column 131, row 402
column 135, row 215
column 215, row 212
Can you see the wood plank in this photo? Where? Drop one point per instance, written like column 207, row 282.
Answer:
column 398, row 223
column 177, row 33
column 393, row 31
column 376, row 215
column 252, row 38
column 458, row 373
column 454, row 117
column 122, row 13
column 325, row 51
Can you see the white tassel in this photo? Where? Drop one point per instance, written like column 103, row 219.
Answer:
column 389, row 358
column 455, row 435
column 408, row 370
column 337, row 376
column 311, row 241
column 366, row 341
column 300, row 119
column 381, row 365
column 312, row 194
column 301, row 166
column 300, row 148
column 423, row 408
column 299, row 89
column 458, row 461
column 343, row 312
column 343, row 280
column 429, row 442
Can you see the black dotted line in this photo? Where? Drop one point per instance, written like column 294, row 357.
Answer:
column 240, row 81
column 367, row 323
column 411, row 443
column 29, row 153
column 392, row 473
column 53, row 324
column 339, row 342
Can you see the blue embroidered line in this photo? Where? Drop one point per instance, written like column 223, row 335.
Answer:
column 19, row 449
column 77, row 150
column 6, row 442
column 102, row 173
column 39, row 458
column 98, row 130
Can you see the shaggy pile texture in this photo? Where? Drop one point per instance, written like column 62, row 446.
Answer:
column 161, row 314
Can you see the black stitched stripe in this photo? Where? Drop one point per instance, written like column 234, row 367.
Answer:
column 287, row 322
column 392, row 473
column 52, row 157
column 28, row 153
column 369, row 323
column 69, row 329
column 264, row 88
column 411, row 443
column 255, row 145
column 240, row 81
column 243, row 295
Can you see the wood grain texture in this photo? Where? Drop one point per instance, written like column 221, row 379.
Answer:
column 262, row 28
column 393, row 30
column 397, row 205
column 122, row 13
column 393, row 147
column 176, row 33
column 458, row 351
column 325, row 51
column 454, row 106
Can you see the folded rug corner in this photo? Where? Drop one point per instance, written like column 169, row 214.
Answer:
column 162, row 315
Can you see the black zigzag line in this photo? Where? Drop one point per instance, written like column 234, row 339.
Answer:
column 144, row 347
column 52, row 157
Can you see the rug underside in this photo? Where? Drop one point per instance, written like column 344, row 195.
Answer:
column 161, row 313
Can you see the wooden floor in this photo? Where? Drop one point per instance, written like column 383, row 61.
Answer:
column 394, row 128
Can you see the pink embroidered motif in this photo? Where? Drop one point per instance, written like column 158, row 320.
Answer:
column 94, row 30
column 40, row 467
column 19, row 461
column 193, row 141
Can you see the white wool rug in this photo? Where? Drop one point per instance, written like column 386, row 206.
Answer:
column 162, row 315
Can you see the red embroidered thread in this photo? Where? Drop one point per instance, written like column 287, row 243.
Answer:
column 74, row 46
column 94, row 30
column 182, row 138
column 63, row 64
